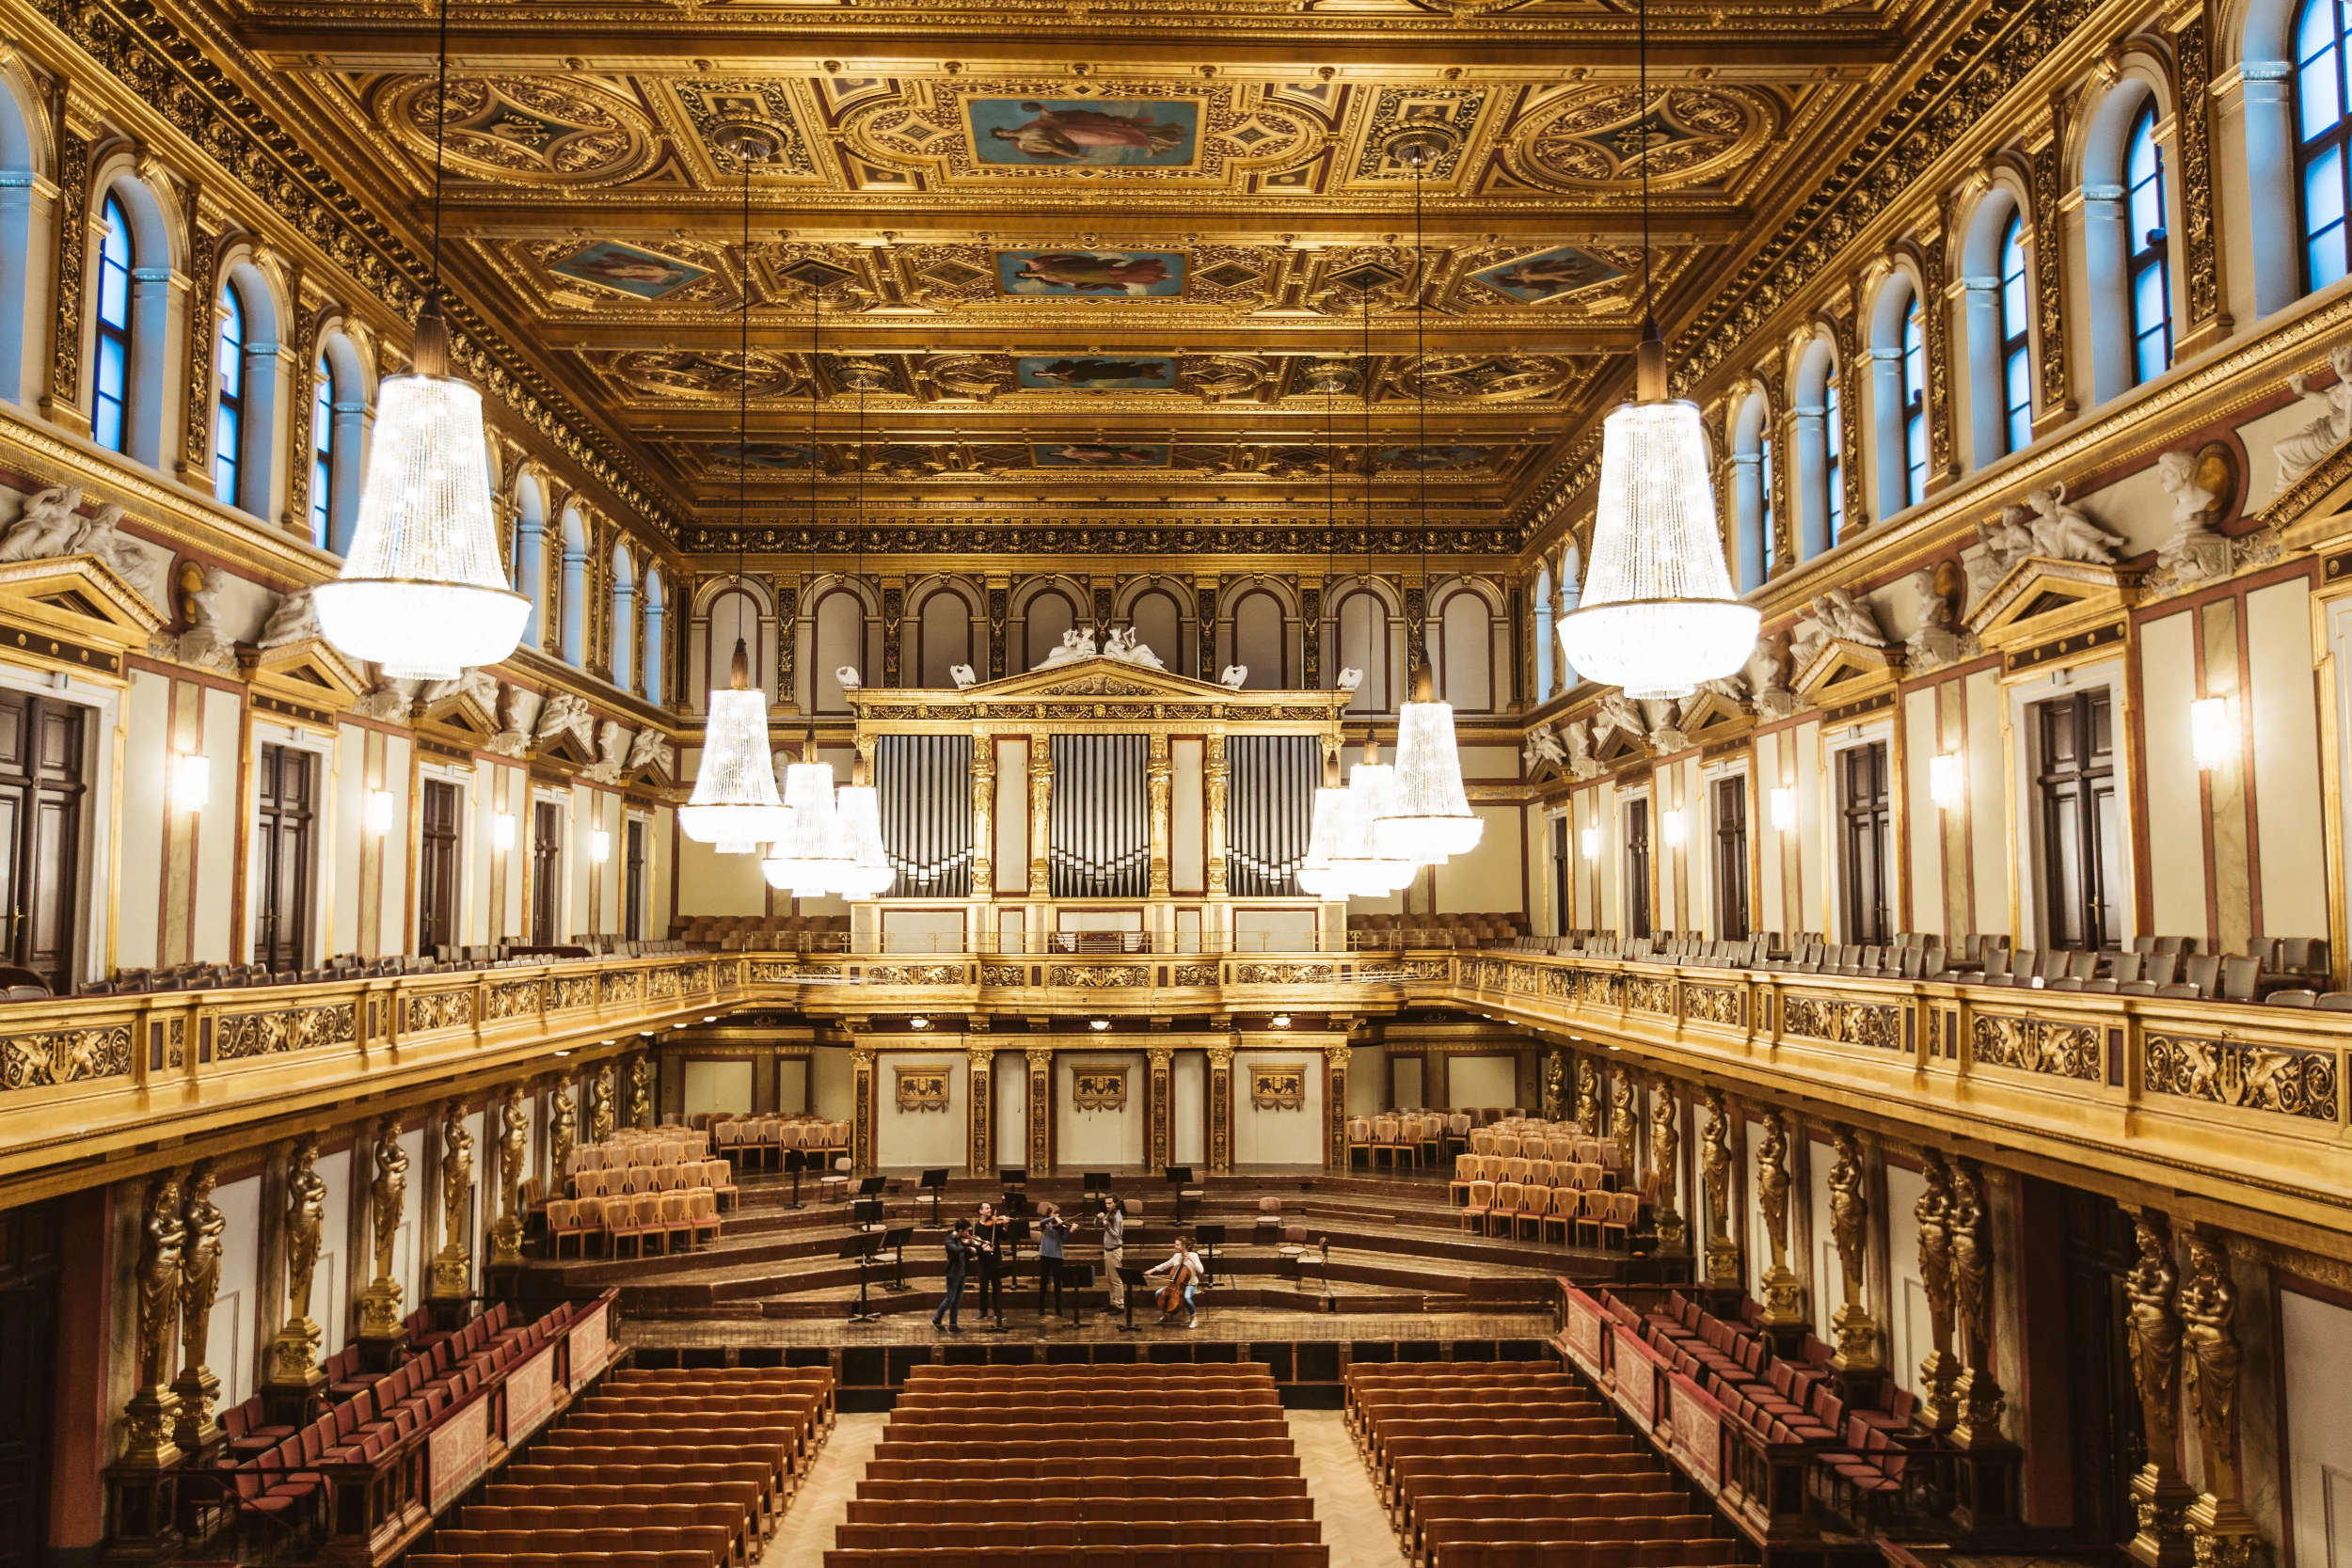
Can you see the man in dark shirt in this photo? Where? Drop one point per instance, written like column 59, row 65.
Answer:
column 988, row 1253
column 959, row 1259
column 1114, row 1249
column 1052, row 1230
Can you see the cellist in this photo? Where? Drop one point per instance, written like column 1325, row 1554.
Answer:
column 1184, row 1274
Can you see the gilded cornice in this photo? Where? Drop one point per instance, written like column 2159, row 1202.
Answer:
column 776, row 545
column 178, row 77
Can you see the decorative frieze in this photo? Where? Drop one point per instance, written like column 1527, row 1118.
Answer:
column 283, row 1031
column 1843, row 1020
column 2036, row 1045
column 439, row 1010
column 2243, row 1075
column 1099, row 976
column 56, row 1056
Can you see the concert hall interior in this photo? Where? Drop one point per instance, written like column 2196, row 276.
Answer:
column 1037, row 784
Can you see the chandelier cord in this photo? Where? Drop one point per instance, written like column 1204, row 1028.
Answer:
column 440, row 132
column 1420, row 399
column 1641, row 131
column 808, row 597
column 743, row 398
column 1369, row 465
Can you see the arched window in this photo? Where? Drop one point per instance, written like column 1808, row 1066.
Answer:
column 624, row 618
column 1462, row 650
column 943, row 628
column 574, row 590
column 1816, row 488
column 229, row 400
column 110, row 379
column 1833, row 460
column 840, row 634
column 1897, row 406
column 531, row 558
column 1544, row 634
column 1364, row 635
column 2149, row 284
column 2015, row 329
column 1571, row 595
column 25, row 230
column 657, row 618
column 1914, row 407
column 2322, row 137
column 1259, row 638
column 1158, row 620
column 323, row 393
column 1751, row 490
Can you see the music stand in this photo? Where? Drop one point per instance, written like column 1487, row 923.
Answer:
column 896, row 1238
column 861, row 1246
column 871, row 1188
column 866, row 1215
column 796, row 1161
column 1096, row 1182
column 1209, row 1236
column 935, row 1182
column 1137, row 1286
column 1077, row 1277
column 1014, row 1179
column 1179, row 1177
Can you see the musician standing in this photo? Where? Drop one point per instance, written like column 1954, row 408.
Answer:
column 1183, row 1266
column 1114, row 1249
column 959, row 1259
column 1052, row 1230
column 988, row 1252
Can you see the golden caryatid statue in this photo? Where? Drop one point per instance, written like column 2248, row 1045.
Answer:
column 453, row 1265
column 149, row 1419
column 2225, row 1535
column 506, row 1231
column 1939, row 1372
column 600, row 1105
column 1722, row 1252
column 1969, row 1224
column 1784, row 1294
column 1587, row 1098
column 1555, row 1086
column 198, row 1386
column 388, row 1198
column 294, row 1353
column 562, row 1129
column 2160, row 1497
column 639, row 1092
column 1622, row 1119
column 1849, row 1227
column 1665, row 1160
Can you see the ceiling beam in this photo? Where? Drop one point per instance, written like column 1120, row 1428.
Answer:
column 1186, row 420
column 860, row 46
column 1237, row 333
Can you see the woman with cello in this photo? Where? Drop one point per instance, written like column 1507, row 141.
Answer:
column 1184, row 1274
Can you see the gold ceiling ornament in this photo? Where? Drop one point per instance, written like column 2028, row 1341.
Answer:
column 528, row 132
column 1593, row 138
column 695, row 375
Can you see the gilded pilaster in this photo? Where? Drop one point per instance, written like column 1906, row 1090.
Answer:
column 893, row 599
column 787, row 592
column 201, row 362
column 862, row 1105
column 1310, row 636
column 1159, row 776
column 1221, row 1107
column 2055, row 402
column 984, row 815
column 1041, row 815
column 1213, row 775
column 72, row 132
column 1849, row 447
column 1158, row 1154
column 1041, row 1108
column 2191, row 31
column 981, row 1143
column 1935, row 265
column 1335, row 1059
column 301, row 392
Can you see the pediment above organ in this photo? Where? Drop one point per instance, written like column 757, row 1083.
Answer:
column 1092, row 691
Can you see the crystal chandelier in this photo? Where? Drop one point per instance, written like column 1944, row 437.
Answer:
column 422, row 592
column 857, row 810
column 1315, row 877
column 1358, row 859
column 1658, row 615
column 734, row 804
column 1430, row 820
column 808, row 859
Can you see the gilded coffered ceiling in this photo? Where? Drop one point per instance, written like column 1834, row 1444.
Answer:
column 1065, row 261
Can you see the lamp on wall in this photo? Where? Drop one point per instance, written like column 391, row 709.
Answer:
column 191, row 781
column 422, row 592
column 380, row 810
column 1784, row 802
column 2213, row 737
column 1670, row 826
column 1590, row 839
column 1658, row 615
column 600, row 846
column 502, row 830
column 1947, row 779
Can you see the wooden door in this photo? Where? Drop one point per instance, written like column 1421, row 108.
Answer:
column 633, row 879
column 1731, row 858
column 1561, row 867
column 2082, row 846
column 29, row 1298
column 437, row 866
column 1864, row 815
column 1637, row 916
column 285, row 803
column 547, row 870
column 42, row 747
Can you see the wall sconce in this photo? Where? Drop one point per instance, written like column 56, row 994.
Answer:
column 380, row 810
column 918, row 1021
column 1947, row 781
column 1784, row 802
column 1281, row 1021
column 1098, row 1026
column 502, row 830
column 191, row 781
column 1670, row 825
column 600, row 846
column 2213, row 737
column 1590, row 838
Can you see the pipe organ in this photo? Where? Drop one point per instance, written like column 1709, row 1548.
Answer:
column 1100, row 841
column 1269, row 803
column 923, row 783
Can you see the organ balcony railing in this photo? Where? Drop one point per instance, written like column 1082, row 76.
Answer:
column 2238, row 1105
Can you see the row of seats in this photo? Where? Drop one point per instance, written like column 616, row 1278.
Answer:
column 763, row 1141
column 1519, row 1464
column 716, row 1175
column 690, row 1467
column 687, row 1215
column 658, row 1146
column 1396, row 932
column 344, row 968
column 1161, row 1465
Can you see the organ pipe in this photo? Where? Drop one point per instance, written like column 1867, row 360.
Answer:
column 925, row 785
column 1272, row 799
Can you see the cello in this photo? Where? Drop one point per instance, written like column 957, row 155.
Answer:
column 1172, row 1294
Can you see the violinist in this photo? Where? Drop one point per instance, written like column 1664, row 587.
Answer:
column 988, row 1254
column 1051, row 1231
column 1184, row 1274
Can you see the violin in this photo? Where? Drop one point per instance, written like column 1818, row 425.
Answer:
column 1172, row 1295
